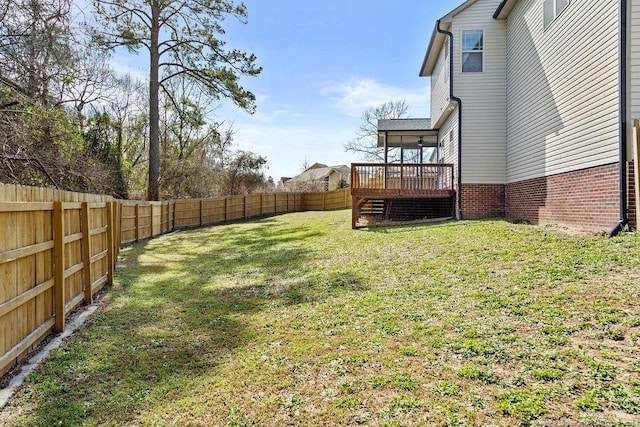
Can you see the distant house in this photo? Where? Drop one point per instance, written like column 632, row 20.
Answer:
column 320, row 177
column 532, row 102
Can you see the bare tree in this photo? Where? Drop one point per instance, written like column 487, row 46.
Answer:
column 128, row 107
column 243, row 174
column 304, row 165
column 36, row 42
column 93, row 80
column 365, row 144
column 182, row 36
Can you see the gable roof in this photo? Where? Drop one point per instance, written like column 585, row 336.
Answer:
column 437, row 39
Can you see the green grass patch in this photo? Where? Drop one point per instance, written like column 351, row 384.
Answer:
column 523, row 403
column 299, row 320
column 547, row 374
column 482, row 374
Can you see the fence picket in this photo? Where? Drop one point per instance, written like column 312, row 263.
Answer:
column 86, row 253
column 59, row 264
column 52, row 259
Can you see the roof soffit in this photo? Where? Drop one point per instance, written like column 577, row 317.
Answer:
column 504, row 9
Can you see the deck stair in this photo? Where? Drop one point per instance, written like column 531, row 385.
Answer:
column 375, row 207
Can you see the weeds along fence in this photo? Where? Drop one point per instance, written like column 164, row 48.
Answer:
column 58, row 248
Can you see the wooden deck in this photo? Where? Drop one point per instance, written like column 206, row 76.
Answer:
column 376, row 187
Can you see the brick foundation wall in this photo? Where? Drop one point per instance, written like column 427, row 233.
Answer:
column 588, row 198
column 483, row 200
column 631, row 197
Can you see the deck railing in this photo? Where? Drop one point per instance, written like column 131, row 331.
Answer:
column 402, row 177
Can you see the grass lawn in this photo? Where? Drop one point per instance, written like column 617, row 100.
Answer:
column 299, row 320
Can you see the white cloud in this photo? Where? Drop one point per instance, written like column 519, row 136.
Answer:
column 272, row 115
column 359, row 93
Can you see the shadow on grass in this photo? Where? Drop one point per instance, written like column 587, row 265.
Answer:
column 180, row 307
column 408, row 228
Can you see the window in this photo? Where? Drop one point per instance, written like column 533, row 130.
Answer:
column 472, row 51
column 441, row 152
column 450, row 142
column 551, row 10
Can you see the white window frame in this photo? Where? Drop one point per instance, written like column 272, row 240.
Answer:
column 481, row 51
column 555, row 9
column 451, row 142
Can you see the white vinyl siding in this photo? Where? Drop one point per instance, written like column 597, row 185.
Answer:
column 483, row 97
column 634, row 64
column 440, row 88
column 448, row 134
column 562, row 89
column 450, row 126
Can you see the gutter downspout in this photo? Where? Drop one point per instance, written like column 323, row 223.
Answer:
column 459, row 102
column 622, row 96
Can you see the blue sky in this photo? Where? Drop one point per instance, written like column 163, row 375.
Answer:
column 324, row 62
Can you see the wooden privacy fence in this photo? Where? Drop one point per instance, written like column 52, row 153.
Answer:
column 57, row 248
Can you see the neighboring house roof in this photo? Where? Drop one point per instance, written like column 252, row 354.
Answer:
column 342, row 169
column 437, row 39
column 319, row 173
column 317, row 166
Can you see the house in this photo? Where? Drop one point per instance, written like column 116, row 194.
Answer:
column 532, row 102
column 320, row 177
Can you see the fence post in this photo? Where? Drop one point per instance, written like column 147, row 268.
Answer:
column 111, row 249
column 136, row 210
column 119, row 226
column 151, row 220
column 86, row 252
column 244, row 207
column 58, row 256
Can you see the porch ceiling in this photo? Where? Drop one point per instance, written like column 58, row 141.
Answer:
column 408, row 139
column 406, row 133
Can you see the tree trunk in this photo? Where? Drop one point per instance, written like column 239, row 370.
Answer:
column 153, row 190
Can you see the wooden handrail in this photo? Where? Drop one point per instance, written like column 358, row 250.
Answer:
column 402, row 176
